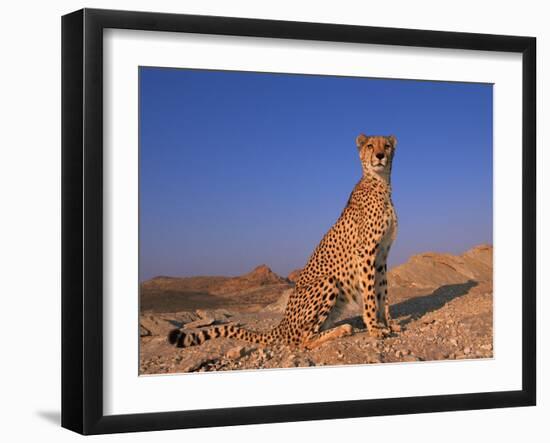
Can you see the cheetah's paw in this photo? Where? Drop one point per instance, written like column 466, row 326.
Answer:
column 378, row 332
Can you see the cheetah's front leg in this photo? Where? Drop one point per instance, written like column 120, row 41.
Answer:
column 381, row 287
column 368, row 271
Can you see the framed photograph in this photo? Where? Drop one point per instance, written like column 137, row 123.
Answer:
column 269, row 221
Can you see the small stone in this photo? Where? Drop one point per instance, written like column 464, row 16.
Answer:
column 453, row 341
column 143, row 331
column 394, row 327
column 202, row 313
column 236, row 352
column 222, row 312
column 292, row 363
column 467, row 350
column 410, row 358
column 190, row 367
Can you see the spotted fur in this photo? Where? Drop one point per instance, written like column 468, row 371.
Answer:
column 348, row 266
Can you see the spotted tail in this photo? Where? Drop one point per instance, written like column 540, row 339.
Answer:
column 183, row 339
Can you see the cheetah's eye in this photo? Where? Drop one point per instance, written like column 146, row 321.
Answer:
column 370, row 146
column 387, row 146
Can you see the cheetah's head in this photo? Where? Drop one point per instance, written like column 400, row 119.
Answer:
column 376, row 153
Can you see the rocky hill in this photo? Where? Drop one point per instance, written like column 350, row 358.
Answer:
column 293, row 276
column 260, row 276
column 443, row 305
column 247, row 292
column 432, row 269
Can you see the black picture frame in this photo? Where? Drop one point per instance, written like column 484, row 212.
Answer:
column 82, row 218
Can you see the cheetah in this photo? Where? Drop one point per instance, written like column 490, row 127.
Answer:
column 348, row 266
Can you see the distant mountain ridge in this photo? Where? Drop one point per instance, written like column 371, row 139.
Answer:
column 218, row 285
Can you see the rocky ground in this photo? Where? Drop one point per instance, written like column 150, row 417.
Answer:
column 442, row 303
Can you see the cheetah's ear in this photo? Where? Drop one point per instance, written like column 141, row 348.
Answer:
column 361, row 140
column 393, row 140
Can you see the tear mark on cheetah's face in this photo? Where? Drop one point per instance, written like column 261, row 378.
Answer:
column 376, row 153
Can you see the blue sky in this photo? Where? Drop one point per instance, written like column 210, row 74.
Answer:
column 239, row 169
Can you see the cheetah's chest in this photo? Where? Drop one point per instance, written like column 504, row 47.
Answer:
column 390, row 232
